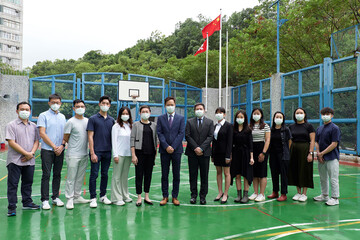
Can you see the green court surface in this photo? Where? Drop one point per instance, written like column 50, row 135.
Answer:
column 267, row 220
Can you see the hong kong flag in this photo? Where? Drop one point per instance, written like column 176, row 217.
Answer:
column 212, row 27
column 202, row 48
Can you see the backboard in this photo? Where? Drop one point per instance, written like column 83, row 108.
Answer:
column 133, row 91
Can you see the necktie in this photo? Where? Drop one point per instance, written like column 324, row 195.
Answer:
column 199, row 124
column 170, row 120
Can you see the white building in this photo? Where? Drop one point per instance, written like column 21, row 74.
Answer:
column 11, row 32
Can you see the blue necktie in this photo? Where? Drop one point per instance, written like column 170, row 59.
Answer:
column 170, row 120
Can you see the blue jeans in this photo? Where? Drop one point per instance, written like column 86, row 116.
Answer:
column 104, row 158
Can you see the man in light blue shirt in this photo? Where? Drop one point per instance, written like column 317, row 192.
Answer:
column 51, row 127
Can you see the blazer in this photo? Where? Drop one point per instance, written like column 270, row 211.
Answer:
column 171, row 136
column 136, row 137
column 223, row 144
column 199, row 136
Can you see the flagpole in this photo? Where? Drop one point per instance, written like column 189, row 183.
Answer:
column 227, row 70
column 206, row 77
column 220, row 61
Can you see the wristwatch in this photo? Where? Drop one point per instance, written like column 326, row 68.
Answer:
column 63, row 144
column 264, row 153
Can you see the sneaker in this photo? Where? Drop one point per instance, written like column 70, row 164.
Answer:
column 31, row 206
column 93, row 203
column 105, row 200
column 57, row 202
column 332, row 202
column 119, row 203
column 46, row 205
column 128, row 200
column 260, row 198
column 11, row 212
column 296, row 197
column 302, row 198
column 70, row 204
column 253, row 196
column 321, row 198
column 81, row 200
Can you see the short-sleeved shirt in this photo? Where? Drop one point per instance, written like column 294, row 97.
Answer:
column 301, row 132
column 78, row 140
column 102, row 131
column 25, row 136
column 259, row 134
column 54, row 124
column 325, row 135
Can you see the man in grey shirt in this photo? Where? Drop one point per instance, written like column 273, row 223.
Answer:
column 23, row 138
column 76, row 155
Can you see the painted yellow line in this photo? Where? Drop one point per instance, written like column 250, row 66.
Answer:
column 303, row 230
column 3, row 178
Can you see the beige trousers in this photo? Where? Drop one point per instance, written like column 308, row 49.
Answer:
column 119, row 182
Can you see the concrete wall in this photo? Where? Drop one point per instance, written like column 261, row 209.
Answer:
column 17, row 88
column 213, row 102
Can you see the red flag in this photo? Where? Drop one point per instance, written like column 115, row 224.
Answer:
column 202, row 48
column 212, row 27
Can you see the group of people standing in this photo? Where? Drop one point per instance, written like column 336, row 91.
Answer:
column 238, row 150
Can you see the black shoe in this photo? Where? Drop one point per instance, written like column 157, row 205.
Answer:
column 138, row 204
column 148, row 202
column 31, row 206
column 202, row 201
column 11, row 212
column 193, row 200
column 223, row 202
column 218, row 199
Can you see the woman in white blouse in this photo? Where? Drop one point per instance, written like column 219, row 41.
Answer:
column 120, row 136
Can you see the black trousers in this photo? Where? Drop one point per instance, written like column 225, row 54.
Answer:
column 196, row 163
column 143, row 171
column 27, row 175
column 279, row 167
column 50, row 161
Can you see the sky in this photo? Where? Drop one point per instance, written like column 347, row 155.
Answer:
column 67, row 29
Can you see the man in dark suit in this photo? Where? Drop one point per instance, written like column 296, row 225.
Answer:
column 199, row 132
column 170, row 129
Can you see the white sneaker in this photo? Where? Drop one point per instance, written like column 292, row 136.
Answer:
column 332, row 202
column 128, row 200
column 296, row 197
column 46, row 205
column 57, row 202
column 302, row 198
column 93, row 203
column 81, row 200
column 321, row 198
column 253, row 196
column 260, row 198
column 119, row 203
column 105, row 200
column 70, row 204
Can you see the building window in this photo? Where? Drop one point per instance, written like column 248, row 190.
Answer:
column 10, row 11
column 10, row 24
column 18, row 2
column 9, row 36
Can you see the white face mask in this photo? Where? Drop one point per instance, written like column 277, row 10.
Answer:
column 104, row 108
column 219, row 116
column 80, row 111
column 145, row 116
column 199, row 113
column 24, row 114
column 240, row 120
column 300, row 116
column 170, row 109
column 278, row 121
column 326, row 118
column 125, row 117
column 256, row 117
column 55, row 107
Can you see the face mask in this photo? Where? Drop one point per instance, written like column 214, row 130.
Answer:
column 24, row 114
column 170, row 109
column 278, row 121
column 125, row 117
column 199, row 113
column 55, row 107
column 104, row 108
column 219, row 116
column 256, row 117
column 326, row 118
column 300, row 116
column 240, row 120
column 80, row 111
column 145, row 116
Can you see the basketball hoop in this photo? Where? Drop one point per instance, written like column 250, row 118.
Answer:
column 134, row 97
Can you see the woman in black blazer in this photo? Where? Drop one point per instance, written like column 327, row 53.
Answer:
column 221, row 152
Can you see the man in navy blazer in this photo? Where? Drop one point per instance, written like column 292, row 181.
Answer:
column 171, row 130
